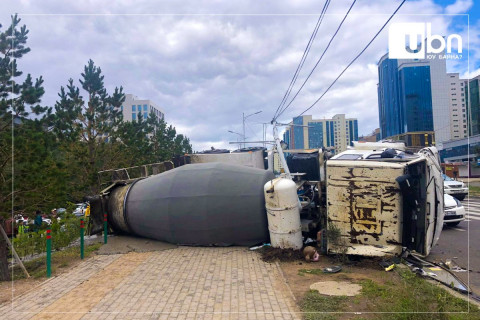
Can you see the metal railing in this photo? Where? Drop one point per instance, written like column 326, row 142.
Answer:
column 106, row 177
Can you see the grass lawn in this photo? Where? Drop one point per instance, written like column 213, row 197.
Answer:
column 403, row 296
column 37, row 268
column 474, row 191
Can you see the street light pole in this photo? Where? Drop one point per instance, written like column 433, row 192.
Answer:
column 245, row 117
column 241, row 136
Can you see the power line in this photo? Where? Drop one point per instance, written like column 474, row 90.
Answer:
column 304, row 56
column 320, row 59
column 351, row 62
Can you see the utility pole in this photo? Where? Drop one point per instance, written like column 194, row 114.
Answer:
column 245, row 117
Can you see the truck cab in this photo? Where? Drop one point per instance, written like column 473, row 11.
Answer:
column 382, row 199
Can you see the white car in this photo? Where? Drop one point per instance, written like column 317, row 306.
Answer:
column 454, row 187
column 80, row 210
column 19, row 218
column 454, row 211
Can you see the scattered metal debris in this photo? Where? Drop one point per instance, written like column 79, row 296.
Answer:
column 390, row 264
column 452, row 266
column 332, row 269
column 436, row 272
column 259, row 247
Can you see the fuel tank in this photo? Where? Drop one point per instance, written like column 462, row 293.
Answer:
column 208, row 204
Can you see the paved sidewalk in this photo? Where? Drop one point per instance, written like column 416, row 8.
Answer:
column 183, row 283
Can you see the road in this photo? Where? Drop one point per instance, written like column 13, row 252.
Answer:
column 455, row 243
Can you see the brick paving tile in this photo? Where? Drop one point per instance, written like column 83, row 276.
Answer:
column 182, row 283
column 189, row 283
column 28, row 304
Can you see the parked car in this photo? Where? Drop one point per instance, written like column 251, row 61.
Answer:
column 80, row 210
column 454, row 187
column 454, row 211
column 19, row 218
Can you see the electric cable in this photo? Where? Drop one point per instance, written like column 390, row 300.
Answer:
column 318, row 61
column 354, row 59
column 304, row 56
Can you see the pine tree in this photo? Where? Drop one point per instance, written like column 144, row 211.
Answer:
column 135, row 137
column 17, row 100
column 166, row 142
column 24, row 161
column 86, row 128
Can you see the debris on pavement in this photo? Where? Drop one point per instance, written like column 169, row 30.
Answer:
column 259, row 247
column 390, row 264
column 309, row 240
column 436, row 272
column 452, row 266
column 310, row 254
column 332, row 269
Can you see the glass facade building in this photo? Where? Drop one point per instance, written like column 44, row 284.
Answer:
column 389, row 110
column 297, row 131
column 315, row 135
column 404, row 98
column 473, row 104
column 416, row 99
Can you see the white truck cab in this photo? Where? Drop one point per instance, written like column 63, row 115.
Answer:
column 382, row 199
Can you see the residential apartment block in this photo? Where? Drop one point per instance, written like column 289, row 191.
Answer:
column 133, row 106
column 304, row 132
column 464, row 152
column 458, row 106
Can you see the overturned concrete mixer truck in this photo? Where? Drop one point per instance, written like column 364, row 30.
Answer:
column 374, row 199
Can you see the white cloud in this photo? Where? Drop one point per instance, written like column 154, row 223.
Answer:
column 459, row 6
column 205, row 70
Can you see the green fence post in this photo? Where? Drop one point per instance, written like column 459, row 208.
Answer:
column 82, row 234
column 105, row 228
column 49, row 253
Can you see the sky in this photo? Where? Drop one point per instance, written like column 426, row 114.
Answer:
column 205, row 63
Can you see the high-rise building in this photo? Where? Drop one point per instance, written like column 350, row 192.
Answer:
column 458, row 106
column 304, row 132
column 132, row 107
column 413, row 96
column 465, row 152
